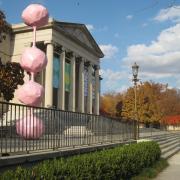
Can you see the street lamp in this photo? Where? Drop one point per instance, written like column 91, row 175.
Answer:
column 135, row 69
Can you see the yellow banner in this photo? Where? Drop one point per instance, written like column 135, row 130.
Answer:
column 67, row 76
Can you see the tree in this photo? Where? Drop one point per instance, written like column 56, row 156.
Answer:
column 11, row 73
column 119, row 107
column 108, row 105
column 4, row 27
column 154, row 101
column 128, row 104
column 170, row 103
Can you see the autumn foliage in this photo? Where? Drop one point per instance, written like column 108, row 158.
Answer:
column 154, row 102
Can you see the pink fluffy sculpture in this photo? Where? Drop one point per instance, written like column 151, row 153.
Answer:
column 31, row 93
column 30, row 127
column 35, row 15
column 33, row 60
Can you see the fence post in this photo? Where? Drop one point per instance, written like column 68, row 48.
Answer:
column 135, row 130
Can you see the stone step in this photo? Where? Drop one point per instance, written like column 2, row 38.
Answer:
column 168, row 143
column 165, row 138
column 169, row 148
column 170, row 153
column 162, row 137
column 165, row 135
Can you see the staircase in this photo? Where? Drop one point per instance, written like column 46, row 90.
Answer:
column 169, row 143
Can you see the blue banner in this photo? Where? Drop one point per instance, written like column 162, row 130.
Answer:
column 56, row 72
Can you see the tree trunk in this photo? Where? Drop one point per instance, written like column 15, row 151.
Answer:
column 3, row 107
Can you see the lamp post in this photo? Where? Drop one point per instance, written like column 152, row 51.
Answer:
column 135, row 69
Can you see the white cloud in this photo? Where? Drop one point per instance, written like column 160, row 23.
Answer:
column 129, row 17
column 172, row 14
column 161, row 58
column 90, row 27
column 122, row 88
column 117, row 35
column 144, row 24
column 102, row 29
column 112, row 80
column 109, row 50
column 178, row 81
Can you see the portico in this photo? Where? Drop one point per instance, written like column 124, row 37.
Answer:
column 71, row 78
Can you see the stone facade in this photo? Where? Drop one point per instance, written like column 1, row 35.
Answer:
column 71, row 78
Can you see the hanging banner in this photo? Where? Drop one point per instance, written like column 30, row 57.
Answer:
column 85, row 82
column 67, row 76
column 93, row 86
column 56, row 72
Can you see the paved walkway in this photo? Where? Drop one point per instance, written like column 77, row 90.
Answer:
column 172, row 172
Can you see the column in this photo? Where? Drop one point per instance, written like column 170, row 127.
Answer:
column 81, row 87
column 97, row 86
column 49, row 75
column 62, row 80
column 89, row 98
column 72, row 84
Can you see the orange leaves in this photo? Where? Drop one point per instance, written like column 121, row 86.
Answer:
column 108, row 104
column 154, row 101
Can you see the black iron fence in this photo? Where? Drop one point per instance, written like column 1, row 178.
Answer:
column 163, row 129
column 61, row 129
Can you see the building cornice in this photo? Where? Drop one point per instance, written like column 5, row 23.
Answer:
column 55, row 25
column 72, row 38
column 21, row 27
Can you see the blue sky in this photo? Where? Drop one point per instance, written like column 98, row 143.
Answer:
column 145, row 31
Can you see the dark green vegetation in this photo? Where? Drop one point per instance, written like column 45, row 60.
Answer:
column 152, row 172
column 118, row 163
column 11, row 75
column 4, row 27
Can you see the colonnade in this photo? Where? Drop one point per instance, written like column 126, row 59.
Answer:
column 72, row 94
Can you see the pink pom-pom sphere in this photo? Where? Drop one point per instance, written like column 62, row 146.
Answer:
column 33, row 60
column 31, row 93
column 30, row 127
column 35, row 15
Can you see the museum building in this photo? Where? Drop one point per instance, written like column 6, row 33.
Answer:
column 71, row 79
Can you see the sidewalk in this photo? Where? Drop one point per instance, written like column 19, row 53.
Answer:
column 172, row 172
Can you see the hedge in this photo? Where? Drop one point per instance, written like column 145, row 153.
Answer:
column 118, row 163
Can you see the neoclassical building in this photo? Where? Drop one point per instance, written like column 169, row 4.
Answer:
column 71, row 78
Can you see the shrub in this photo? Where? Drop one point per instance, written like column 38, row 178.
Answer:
column 118, row 163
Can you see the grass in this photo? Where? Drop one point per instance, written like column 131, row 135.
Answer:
column 152, row 172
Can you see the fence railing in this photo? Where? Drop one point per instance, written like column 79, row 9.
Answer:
column 150, row 131
column 62, row 129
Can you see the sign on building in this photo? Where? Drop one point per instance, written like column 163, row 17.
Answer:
column 56, row 72
column 85, row 81
column 67, row 76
